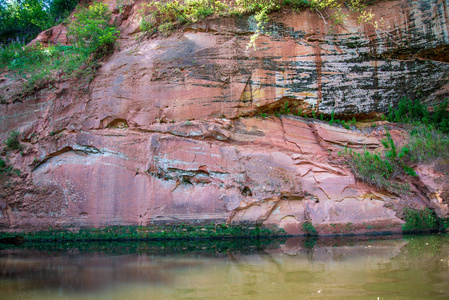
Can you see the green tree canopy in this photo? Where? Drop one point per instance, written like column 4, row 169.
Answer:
column 24, row 19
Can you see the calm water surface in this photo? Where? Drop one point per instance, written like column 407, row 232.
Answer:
column 298, row 268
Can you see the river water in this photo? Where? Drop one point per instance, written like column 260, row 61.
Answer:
column 412, row 267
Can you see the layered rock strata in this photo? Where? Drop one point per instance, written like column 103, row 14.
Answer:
column 168, row 130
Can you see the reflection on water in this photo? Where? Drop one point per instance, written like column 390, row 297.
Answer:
column 296, row 268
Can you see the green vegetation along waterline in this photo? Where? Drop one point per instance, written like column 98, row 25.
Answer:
column 423, row 220
column 151, row 232
column 206, row 247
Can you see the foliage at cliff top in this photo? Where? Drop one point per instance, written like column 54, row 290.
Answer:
column 164, row 16
column 91, row 30
column 93, row 37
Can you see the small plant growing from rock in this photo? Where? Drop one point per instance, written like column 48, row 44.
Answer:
column 13, row 143
column 308, row 228
column 286, row 109
column 381, row 169
column 4, row 168
column 332, row 120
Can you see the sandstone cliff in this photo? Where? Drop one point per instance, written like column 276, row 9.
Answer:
column 169, row 129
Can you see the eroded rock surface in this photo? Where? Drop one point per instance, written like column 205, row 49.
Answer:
column 168, row 129
column 269, row 171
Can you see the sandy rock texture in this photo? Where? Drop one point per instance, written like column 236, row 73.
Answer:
column 170, row 130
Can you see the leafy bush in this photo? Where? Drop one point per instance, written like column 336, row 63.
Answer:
column 413, row 111
column 5, row 168
column 36, row 66
column 13, row 143
column 445, row 224
column 91, row 29
column 308, row 228
column 8, row 53
column 408, row 111
column 2, row 164
column 322, row 4
column 420, row 220
column 371, row 168
column 380, row 170
column 429, row 139
column 164, row 16
column 176, row 13
column 296, row 4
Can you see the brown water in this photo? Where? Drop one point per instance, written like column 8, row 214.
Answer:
column 413, row 267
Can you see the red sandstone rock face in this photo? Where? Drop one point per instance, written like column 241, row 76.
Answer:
column 271, row 171
column 207, row 70
column 52, row 36
column 156, row 137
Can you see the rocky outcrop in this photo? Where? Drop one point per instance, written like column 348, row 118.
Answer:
column 52, row 36
column 270, row 171
column 170, row 130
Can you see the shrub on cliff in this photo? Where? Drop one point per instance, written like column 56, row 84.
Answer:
column 3, row 166
column 420, row 220
column 429, row 139
column 166, row 15
column 37, row 66
column 308, row 228
column 413, row 111
column 13, row 143
column 91, row 30
column 6, row 171
column 382, row 169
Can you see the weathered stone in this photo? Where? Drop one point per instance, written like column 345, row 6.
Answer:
column 167, row 132
column 52, row 36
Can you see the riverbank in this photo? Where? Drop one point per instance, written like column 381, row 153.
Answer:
column 176, row 232
column 142, row 233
